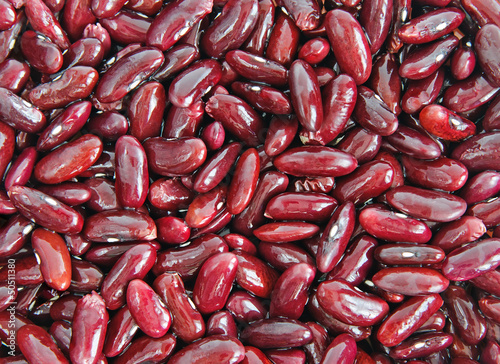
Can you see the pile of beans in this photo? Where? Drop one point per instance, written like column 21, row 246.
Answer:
column 250, row 181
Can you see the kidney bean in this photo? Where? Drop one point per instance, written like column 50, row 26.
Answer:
column 41, row 53
column 127, row 27
column 89, row 329
column 408, row 318
column 19, row 114
column 27, row 272
column 55, row 263
column 306, row 14
column 84, row 52
column 254, row 275
column 361, row 144
column 148, row 7
column 314, row 51
column 411, row 281
column 8, row 37
column 372, row 114
column 315, row 349
column 61, row 334
column 424, row 61
column 213, row 135
column 14, row 75
column 45, row 210
column 147, row 309
column 341, row 350
column 420, row 93
column 445, row 124
column 489, row 306
column 392, row 226
column 37, row 346
column 491, row 117
column 285, row 231
column 6, row 206
column 394, row 254
column 205, row 207
column 332, row 296
column 463, row 61
column 478, row 153
column 284, row 255
column 318, row 184
column 169, row 194
column 76, row 15
column 172, row 230
column 305, row 95
column 459, row 232
column 85, row 276
column 135, row 263
column 222, row 323
column 414, row 143
column 483, row 11
column 64, row 308
column 283, row 356
column 487, row 212
column 421, row 345
column 42, row 20
column 120, row 332
column 121, row 78
column 145, row 349
column 174, row 21
column 376, row 26
column 283, row 41
column 7, row 296
column 21, row 169
column 464, row 314
column 300, row 206
column 289, row 296
column 245, row 307
column 470, row 93
column 485, row 42
column 256, row 41
column 280, row 135
column 263, row 98
column 8, row 15
column 71, row 193
column 385, row 81
column 349, row 45
column 218, row 348
column 490, row 353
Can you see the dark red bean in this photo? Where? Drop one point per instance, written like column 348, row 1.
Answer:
column 454, row 234
column 470, row 93
column 285, row 231
column 486, row 40
column 8, row 15
column 8, row 37
column 222, row 323
column 349, row 45
column 299, row 206
column 41, row 53
column 146, row 349
column 245, row 307
column 414, row 143
column 85, row 276
column 486, row 211
column 290, row 292
column 407, row 319
column 283, row 41
column 254, row 275
column 256, row 41
column 14, row 234
column 333, row 296
column 127, row 27
column 385, row 81
column 77, row 14
column 120, row 332
column 411, row 281
column 421, row 346
column 147, row 309
column 172, row 230
column 399, row 254
column 280, row 135
column 213, row 135
column 204, row 207
column 490, row 308
column 391, row 226
column 341, row 350
column 276, row 333
column 463, row 61
column 134, row 264
column 478, row 153
column 257, row 68
column 490, row 353
column 45, row 210
column 314, row 51
column 166, row 29
column 14, row 75
column 37, row 346
column 89, row 329
column 376, row 26
column 21, row 169
column 422, row 92
column 217, row 348
column 19, row 114
column 483, row 11
column 361, row 144
column 464, row 314
column 491, row 117
column 263, row 98
column 84, row 52
column 284, row 255
column 43, row 21
column 445, row 124
column 187, row 322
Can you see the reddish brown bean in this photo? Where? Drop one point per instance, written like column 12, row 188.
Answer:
column 217, row 348
column 254, row 275
column 479, row 152
column 43, row 21
column 37, row 346
column 421, row 346
column 341, row 350
column 283, row 41
column 411, row 281
column 146, row 349
column 41, row 53
column 21, row 169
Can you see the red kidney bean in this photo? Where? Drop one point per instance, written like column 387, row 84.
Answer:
column 245, row 307
column 483, row 11
column 456, row 233
column 255, row 356
column 169, row 194
column 8, row 37
column 315, row 349
column 176, row 59
column 443, row 173
column 464, row 314
column 21, row 169
column 332, row 296
column 316, row 161
column 222, row 323
column 146, row 349
column 436, row 322
column 314, row 51
column 284, row 40
column 263, row 98
column 27, row 272
column 55, row 263
column 334, row 239
column 85, row 276
column 349, row 45
column 147, row 309
column 77, row 14
column 285, row 231
column 280, row 135
column 120, row 332
column 239, row 242
column 14, row 75
column 431, row 26
column 487, row 212
column 305, row 95
column 84, row 52
column 148, row 7
column 411, row 281
column 289, row 295
column 214, row 282
column 254, row 275
column 132, row 178
column 89, row 329
column 187, row 322
column 37, row 346
column 134, row 264
column 64, row 308
column 479, row 152
column 174, row 157
column 341, row 350
column 204, row 207
column 424, row 61
column 106, row 9
column 276, row 333
column 175, row 20
column 19, row 114
column 217, row 348
column 385, row 81
column 463, row 61
column 6, row 206
column 236, row 116
column 121, row 78
column 225, row 34
column 471, row 260
column 376, row 26
column 172, row 230
column 71, row 193
column 421, row 345
column 103, row 196
column 488, row 282
column 318, row 185
column 61, row 91
column 43, row 21
column 256, row 41
column 491, row 117
column 392, row 226
column 470, row 93
column 372, row 114
column 41, row 53
column 361, row 144
column 213, row 135
column 306, row 13
column 443, row 123
column 486, row 40
column 7, row 296
column 146, row 121
column 395, row 254
column 45, row 210
column 490, row 308
column 300, row 206
column 490, row 353
column 244, row 181
column 426, row 204
column 8, row 15
column 284, row 255
column 183, row 122
column 408, row 318
column 414, row 143
column 420, row 93
column 109, row 125
column 127, row 27
column 61, row 333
